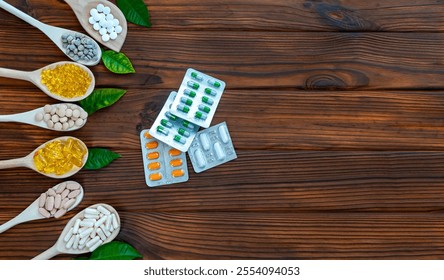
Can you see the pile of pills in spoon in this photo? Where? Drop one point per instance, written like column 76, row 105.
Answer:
column 92, row 230
column 56, row 201
column 62, row 116
column 79, row 47
column 104, row 22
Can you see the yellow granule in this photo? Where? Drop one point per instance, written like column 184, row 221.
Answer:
column 66, row 80
column 59, row 157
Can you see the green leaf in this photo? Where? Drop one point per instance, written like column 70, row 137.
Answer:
column 117, row 62
column 99, row 158
column 115, row 250
column 101, row 98
column 135, row 11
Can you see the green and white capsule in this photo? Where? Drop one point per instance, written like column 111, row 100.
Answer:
column 163, row 130
column 187, row 124
column 186, row 101
column 170, row 116
column 204, row 108
column 210, row 91
column 189, row 92
column 166, row 123
column 183, row 132
column 196, row 76
column 206, row 99
column 200, row 115
column 193, row 85
column 179, row 139
column 183, row 108
column 214, row 83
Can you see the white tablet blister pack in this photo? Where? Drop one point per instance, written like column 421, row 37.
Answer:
column 198, row 98
column 163, row 164
column 211, row 147
column 172, row 130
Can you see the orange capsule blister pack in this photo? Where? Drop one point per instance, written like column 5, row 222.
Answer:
column 163, row 165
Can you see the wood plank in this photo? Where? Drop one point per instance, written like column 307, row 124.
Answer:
column 235, row 235
column 264, row 15
column 260, row 60
column 293, row 120
column 263, row 181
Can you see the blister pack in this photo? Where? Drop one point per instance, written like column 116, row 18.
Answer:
column 172, row 130
column 162, row 164
column 211, row 147
column 198, row 98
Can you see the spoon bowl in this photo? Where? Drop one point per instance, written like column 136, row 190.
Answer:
column 29, row 117
column 35, row 78
column 32, row 211
column 28, row 161
column 55, row 34
column 82, row 10
column 60, row 246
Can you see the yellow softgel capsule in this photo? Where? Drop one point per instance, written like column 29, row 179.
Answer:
column 66, row 80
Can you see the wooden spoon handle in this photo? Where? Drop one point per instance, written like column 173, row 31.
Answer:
column 12, row 163
column 14, row 74
column 48, row 254
column 21, row 15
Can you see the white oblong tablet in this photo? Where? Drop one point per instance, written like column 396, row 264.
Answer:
column 205, row 141
column 200, row 158
column 223, row 132
column 219, row 151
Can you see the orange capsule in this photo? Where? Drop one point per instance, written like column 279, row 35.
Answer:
column 147, row 135
column 155, row 176
column 177, row 173
column 174, row 152
column 152, row 145
column 176, row 162
column 153, row 155
column 154, row 165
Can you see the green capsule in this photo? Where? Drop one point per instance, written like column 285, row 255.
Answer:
column 214, row 83
column 196, row 76
column 189, row 92
column 187, row 124
column 179, row 139
column 183, row 108
column 207, row 100
column 210, row 91
column 162, row 130
column 204, row 108
column 193, row 85
column 200, row 115
column 170, row 116
column 183, row 132
column 186, row 101
column 166, row 123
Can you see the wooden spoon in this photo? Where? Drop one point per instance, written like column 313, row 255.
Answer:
column 53, row 33
column 32, row 211
column 59, row 247
column 82, row 10
column 28, row 161
column 35, row 78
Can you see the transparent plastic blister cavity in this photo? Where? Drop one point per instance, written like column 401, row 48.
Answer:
column 162, row 164
column 172, row 130
column 211, row 147
column 198, row 98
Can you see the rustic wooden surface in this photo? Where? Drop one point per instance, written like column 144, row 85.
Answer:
column 335, row 108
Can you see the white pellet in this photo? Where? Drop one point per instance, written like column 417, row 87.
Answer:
column 74, row 194
column 101, row 234
column 107, row 233
column 42, row 199
column 91, row 211
column 61, row 111
column 91, row 19
column 71, row 123
column 51, row 192
column 115, row 22
column 96, row 26
column 68, row 113
column 79, row 122
column 65, row 193
column 73, row 186
column 108, row 221
column 86, row 224
column 47, row 117
column 102, row 22
column 93, row 233
column 64, row 201
column 90, row 216
column 70, row 242
column 89, row 220
column 76, row 242
column 102, row 31
column 39, row 117
column 109, row 17
column 55, row 118
column 53, row 211
column 84, row 115
column 69, row 203
column 110, row 29
column 53, row 110
column 103, row 210
column 86, row 232
column 92, row 241
column 44, row 213
column 76, row 226
column 113, row 35
column 83, row 240
column 111, row 228
column 100, row 7
column 49, row 204
column 93, row 247
column 81, row 246
column 101, row 221
column 115, row 223
column 59, row 213
column 47, row 108
column 93, row 12
column 118, row 29
column 61, row 187
column 68, row 235
column 58, row 126
column 76, row 113
column 63, row 119
column 58, row 201
column 106, row 10
column 50, row 124
column 105, row 38
column 65, row 126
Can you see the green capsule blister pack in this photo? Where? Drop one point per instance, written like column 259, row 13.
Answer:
column 198, row 98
